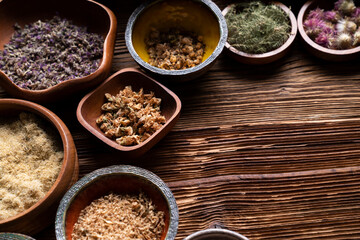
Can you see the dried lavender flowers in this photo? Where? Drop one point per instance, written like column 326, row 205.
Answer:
column 45, row 53
column 338, row 28
column 255, row 27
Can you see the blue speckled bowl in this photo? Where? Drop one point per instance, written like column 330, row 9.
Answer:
column 119, row 179
column 200, row 16
column 14, row 236
column 216, row 233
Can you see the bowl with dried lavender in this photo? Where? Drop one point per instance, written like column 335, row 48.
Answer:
column 129, row 112
column 118, row 202
column 331, row 30
column 38, row 164
column 50, row 51
column 259, row 33
column 176, row 40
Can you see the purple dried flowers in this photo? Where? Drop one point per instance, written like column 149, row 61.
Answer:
column 337, row 28
column 45, row 53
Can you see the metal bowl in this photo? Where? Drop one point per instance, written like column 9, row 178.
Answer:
column 199, row 16
column 14, row 236
column 211, row 234
column 119, row 179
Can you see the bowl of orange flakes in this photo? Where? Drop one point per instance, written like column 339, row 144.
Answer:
column 118, row 202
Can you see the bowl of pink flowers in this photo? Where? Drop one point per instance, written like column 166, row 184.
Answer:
column 331, row 30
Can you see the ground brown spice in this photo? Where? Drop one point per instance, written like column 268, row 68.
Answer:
column 30, row 161
column 119, row 217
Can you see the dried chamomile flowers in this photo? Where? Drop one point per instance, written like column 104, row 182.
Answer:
column 130, row 117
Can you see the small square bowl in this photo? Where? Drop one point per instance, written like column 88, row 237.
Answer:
column 118, row 179
column 314, row 48
column 89, row 108
column 268, row 57
column 96, row 17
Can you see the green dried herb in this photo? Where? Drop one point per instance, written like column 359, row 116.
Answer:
column 257, row 28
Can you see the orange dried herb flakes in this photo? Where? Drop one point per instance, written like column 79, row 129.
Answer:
column 130, row 117
column 119, row 217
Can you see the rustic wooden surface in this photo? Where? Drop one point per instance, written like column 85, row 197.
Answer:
column 272, row 152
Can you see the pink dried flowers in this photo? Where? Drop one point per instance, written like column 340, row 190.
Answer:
column 335, row 29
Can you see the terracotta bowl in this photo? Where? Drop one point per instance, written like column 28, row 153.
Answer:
column 314, row 48
column 120, row 179
column 264, row 58
column 42, row 213
column 210, row 234
column 89, row 108
column 14, row 236
column 200, row 16
column 96, row 17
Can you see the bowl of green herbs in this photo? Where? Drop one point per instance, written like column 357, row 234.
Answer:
column 49, row 51
column 259, row 33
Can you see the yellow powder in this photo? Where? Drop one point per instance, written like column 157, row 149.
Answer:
column 30, row 161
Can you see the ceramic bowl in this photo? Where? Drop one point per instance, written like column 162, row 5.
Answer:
column 210, row 234
column 89, row 108
column 314, row 48
column 42, row 213
column 264, row 58
column 119, row 179
column 14, row 236
column 96, row 17
column 200, row 16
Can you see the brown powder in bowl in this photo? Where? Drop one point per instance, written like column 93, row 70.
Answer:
column 30, row 161
column 122, row 217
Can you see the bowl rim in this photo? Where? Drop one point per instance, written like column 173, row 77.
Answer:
column 92, row 177
column 211, row 6
column 16, row 236
column 276, row 51
column 7, row 83
column 311, row 43
column 67, row 143
column 215, row 231
column 111, row 142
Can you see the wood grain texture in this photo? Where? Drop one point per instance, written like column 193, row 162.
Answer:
column 272, row 152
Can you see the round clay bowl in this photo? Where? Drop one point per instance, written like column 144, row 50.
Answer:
column 120, row 179
column 314, row 48
column 200, row 16
column 96, row 17
column 212, row 234
column 264, row 58
column 41, row 215
column 89, row 108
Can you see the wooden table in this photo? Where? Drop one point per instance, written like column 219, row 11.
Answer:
column 272, row 152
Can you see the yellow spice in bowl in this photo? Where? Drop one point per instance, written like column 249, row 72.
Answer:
column 30, row 161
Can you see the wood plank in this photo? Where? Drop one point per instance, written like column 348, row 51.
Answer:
column 269, row 151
